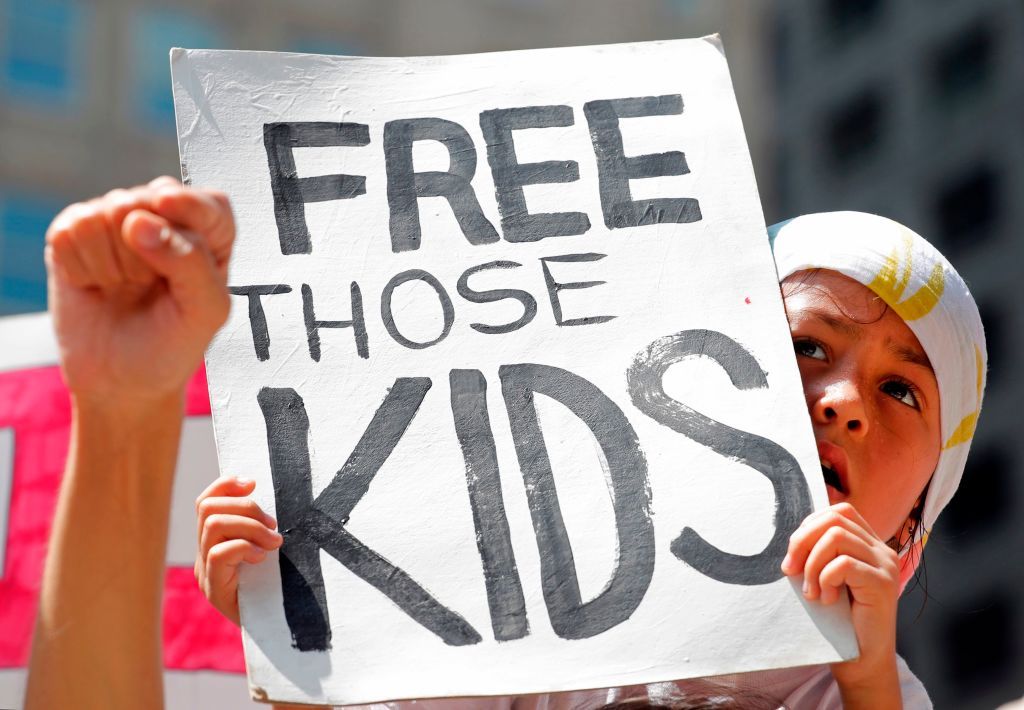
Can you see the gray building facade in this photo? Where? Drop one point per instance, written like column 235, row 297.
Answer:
column 908, row 108
column 913, row 110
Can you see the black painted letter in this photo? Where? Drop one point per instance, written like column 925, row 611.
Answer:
column 406, row 186
column 501, row 577
column 615, row 169
column 302, row 581
column 258, row 319
column 555, row 286
column 309, row 525
column 571, row 618
column 357, row 323
column 386, row 314
column 792, row 496
column 497, row 294
column 517, row 224
column 291, row 193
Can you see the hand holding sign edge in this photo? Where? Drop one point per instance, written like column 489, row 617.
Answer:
column 232, row 529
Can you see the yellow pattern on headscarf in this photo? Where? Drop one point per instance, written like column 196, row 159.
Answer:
column 981, row 368
column 964, row 431
column 891, row 281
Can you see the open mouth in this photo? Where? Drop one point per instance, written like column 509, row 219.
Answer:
column 831, row 477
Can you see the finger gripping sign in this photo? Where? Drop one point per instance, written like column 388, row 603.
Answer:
column 508, row 360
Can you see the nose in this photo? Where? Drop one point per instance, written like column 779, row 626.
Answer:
column 841, row 403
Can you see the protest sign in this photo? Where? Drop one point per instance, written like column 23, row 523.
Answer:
column 508, row 361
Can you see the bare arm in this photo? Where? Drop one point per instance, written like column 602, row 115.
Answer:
column 136, row 290
column 98, row 627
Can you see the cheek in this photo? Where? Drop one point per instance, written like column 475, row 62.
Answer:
column 904, row 459
column 891, row 490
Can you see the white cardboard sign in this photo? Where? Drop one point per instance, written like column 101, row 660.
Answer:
column 508, row 360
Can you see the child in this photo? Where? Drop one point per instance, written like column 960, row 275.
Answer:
column 891, row 354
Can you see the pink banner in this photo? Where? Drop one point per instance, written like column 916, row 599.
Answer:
column 34, row 408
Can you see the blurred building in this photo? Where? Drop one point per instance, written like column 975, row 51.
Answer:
column 914, row 110
column 908, row 108
column 85, row 95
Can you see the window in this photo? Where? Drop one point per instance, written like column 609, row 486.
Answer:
column 983, row 503
column 980, row 642
column 41, row 50
column 782, row 50
column 321, row 45
column 846, row 19
column 968, row 208
column 783, row 180
column 963, row 66
column 682, row 8
column 23, row 223
column 853, row 130
column 156, row 32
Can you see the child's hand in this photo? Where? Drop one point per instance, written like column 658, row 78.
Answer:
column 232, row 530
column 137, row 287
column 836, row 548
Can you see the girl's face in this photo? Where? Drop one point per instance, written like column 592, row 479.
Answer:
column 871, row 393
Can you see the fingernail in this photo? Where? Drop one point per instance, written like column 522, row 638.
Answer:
column 179, row 245
column 151, row 234
column 807, row 588
column 269, row 521
column 786, row 562
column 242, row 480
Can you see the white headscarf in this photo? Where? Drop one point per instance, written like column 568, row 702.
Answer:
column 924, row 289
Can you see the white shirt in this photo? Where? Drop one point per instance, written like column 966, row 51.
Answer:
column 804, row 688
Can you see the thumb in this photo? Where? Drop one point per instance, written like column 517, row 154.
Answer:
column 183, row 259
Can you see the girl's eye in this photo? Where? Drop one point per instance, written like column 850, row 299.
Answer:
column 809, row 348
column 903, row 391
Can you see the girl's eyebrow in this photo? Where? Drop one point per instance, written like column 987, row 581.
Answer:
column 915, row 356
column 906, row 353
column 850, row 330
